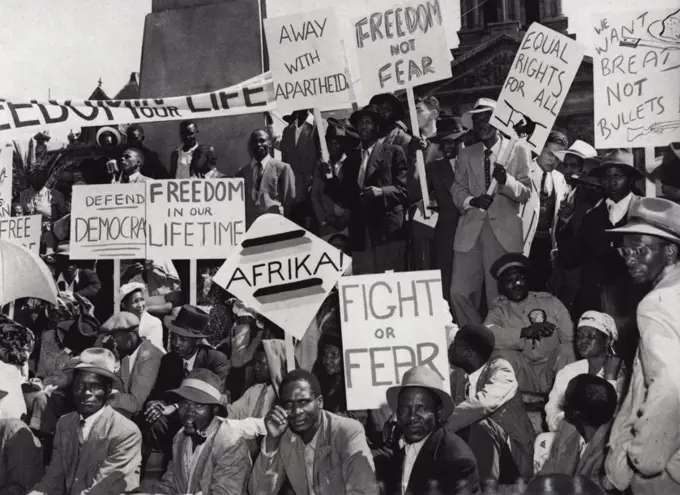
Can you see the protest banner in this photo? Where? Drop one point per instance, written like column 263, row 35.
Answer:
column 636, row 77
column 536, row 86
column 306, row 61
column 194, row 218
column 24, row 230
column 390, row 323
column 6, row 169
column 108, row 221
column 283, row 272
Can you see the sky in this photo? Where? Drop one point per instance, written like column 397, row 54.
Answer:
column 63, row 47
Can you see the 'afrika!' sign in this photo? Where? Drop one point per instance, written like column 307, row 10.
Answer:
column 283, row 272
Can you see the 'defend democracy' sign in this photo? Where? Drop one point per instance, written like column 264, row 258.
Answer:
column 401, row 47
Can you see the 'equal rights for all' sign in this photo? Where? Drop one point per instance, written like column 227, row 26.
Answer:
column 390, row 323
column 404, row 46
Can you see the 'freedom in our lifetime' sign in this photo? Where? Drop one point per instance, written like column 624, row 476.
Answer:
column 22, row 230
column 536, row 86
column 307, row 61
column 283, row 272
column 637, row 101
column 391, row 322
column 401, row 47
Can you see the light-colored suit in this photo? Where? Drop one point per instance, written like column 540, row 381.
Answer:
column 529, row 210
column 483, row 236
column 108, row 462
column 138, row 382
column 222, row 468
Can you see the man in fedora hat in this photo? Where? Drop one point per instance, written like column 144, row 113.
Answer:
column 21, row 459
column 394, row 114
column 428, row 453
column 645, row 438
column 373, row 187
column 317, row 451
column 139, row 362
column 96, row 449
column 187, row 352
column 665, row 170
column 489, row 226
column 440, row 176
column 208, row 455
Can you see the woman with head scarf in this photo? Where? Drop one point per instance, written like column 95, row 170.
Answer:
column 16, row 345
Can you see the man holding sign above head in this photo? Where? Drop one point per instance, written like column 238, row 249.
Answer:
column 490, row 225
column 373, row 187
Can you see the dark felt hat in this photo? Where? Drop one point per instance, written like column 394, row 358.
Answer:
column 342, row 130
column 398, row 110
column 450, row 128
column 507, row 261
column 371, row 111
column 202, row 386
column 190, row 322
column 619, row 157
column 79, row 334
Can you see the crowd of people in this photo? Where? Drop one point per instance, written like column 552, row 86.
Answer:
column 562, row 283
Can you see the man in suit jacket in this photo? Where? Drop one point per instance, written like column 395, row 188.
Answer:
column 139, row 362
column 81, row 281
column 269, row 184
column 317, row 451
column 373, row 188
column 393, row 113
column 96, row 450
column 490, row 225
column 428, row 453
column 182, row 158
column 208, row 455
column 300, row 148
column 187, row 331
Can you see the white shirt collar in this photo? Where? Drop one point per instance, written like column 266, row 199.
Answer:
column 496, row 148
column 370, row 148
column 190, row 362
column 133, row 357
column 617, row 211
column 90, row 421
column 264, row 162
column 191, row 150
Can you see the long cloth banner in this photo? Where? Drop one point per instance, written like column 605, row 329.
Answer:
column 19, row 118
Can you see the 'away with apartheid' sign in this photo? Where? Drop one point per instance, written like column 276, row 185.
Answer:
column 536, row 86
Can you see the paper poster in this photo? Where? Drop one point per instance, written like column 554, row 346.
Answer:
column 307, row 61
column 24, row 230
column 537, row 84
column 6, row 159
column 637, row 101
column 283, row 272
column 108, row 222
column 194, row 218
column 391, row 322
column 401, row 46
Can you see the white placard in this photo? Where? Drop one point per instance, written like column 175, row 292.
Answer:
column 283, row 272
column 390, row 323
column 22, row 230
column 6, row 169
column 536, row 86
column 637, row 101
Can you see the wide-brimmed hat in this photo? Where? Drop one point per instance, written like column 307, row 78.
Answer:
column 190, row 322
column 342, row 130
column 372, row 111
column 99, row 361
column 620, row 157
column 667, row 166
column 449, row 128
column 120, row 322
column 483, row 105
column 80, row 333
column 579, row 148
column 653, row 216
column 423, row 377
column 507, row 261
column 201, row 386
column 398, row 111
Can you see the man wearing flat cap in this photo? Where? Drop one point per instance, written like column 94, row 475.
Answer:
column 96, row 449
column 208, row 455
column 533, row 330
column 139, row 362
column 429, row 453
column 490, row 225
column 374, row 188
column 645, row 438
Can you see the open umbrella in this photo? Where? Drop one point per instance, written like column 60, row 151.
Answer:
column 23, row 274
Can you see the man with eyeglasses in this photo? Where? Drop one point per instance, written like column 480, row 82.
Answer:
column 319, row 452
column 645, row 438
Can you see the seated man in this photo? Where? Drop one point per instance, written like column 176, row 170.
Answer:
column 500, row 432
column 580, row 444
column 187, row 331
column 533, row 330
column 96, row 449
column 139, row 362
column 431, row 454
column 21, row 464
column 317, row 451
column 208, row 455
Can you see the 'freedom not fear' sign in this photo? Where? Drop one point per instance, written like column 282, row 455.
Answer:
column 283, row 272
column 391, row 322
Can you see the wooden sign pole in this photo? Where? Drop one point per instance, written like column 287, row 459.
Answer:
column 116, row 285
column 420, row 160
column 322, row 134
column 650, row 187
column 193, row 281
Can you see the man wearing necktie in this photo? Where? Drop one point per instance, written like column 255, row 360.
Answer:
column 490, row 225
column 373, row 187
column 269, row 183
